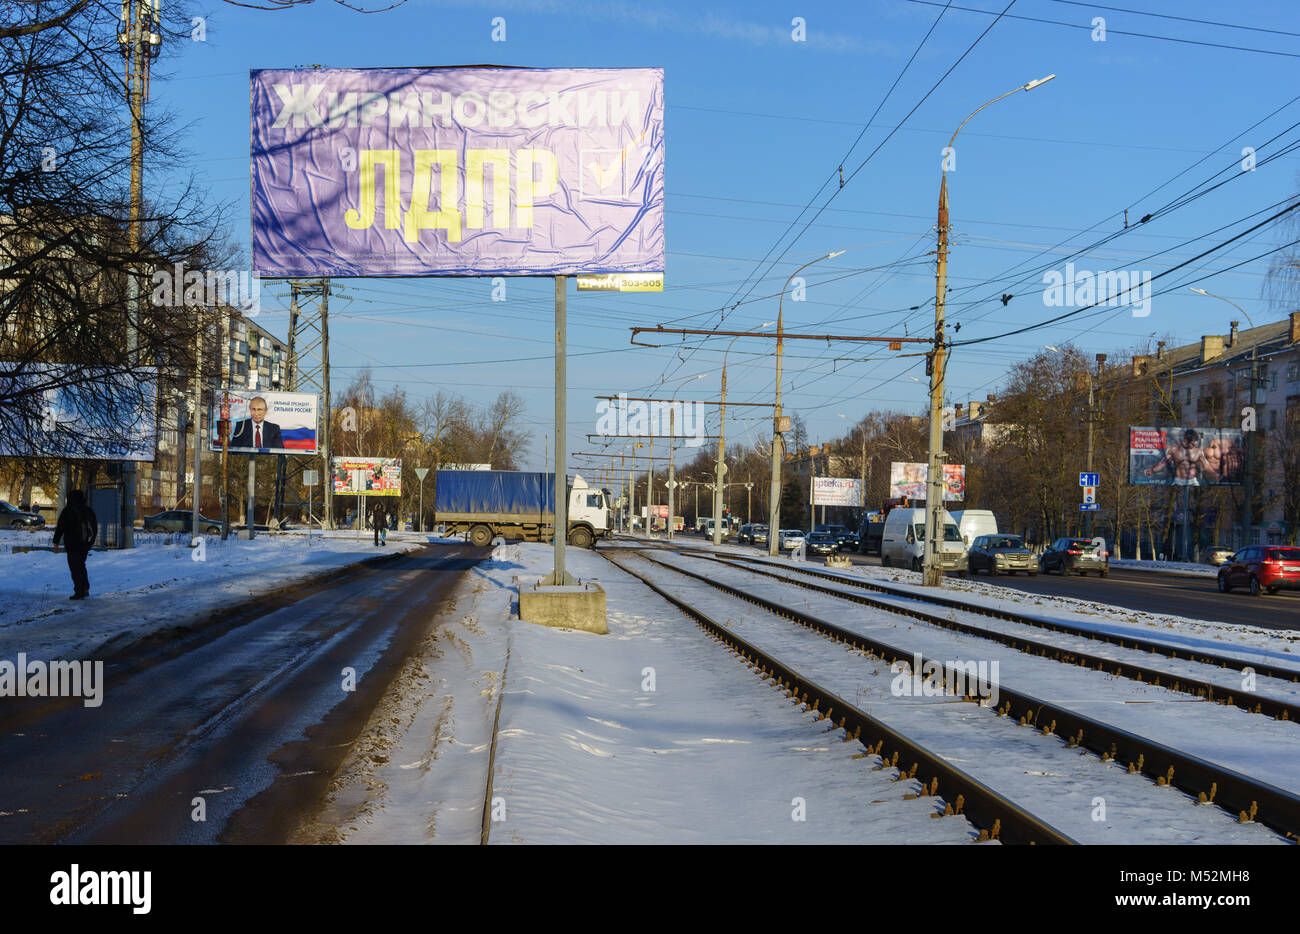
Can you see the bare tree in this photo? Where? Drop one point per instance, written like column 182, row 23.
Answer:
column 65, row 258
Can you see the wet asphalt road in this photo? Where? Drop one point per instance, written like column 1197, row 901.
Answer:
column 249, row 715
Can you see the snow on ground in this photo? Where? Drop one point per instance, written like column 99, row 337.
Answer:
column 589, row 750
column 1186, row 568
column 1059, row 784
column 156, row 586
column 1230, row 679
column 1252, row 744
column 1280, row 647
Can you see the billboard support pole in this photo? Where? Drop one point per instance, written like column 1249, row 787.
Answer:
column 560, row 536
column 197, row 486
column 251, row 514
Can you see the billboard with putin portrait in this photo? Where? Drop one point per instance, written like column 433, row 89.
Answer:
column 263, row 422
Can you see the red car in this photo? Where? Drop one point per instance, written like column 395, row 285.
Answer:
column 1262, row 567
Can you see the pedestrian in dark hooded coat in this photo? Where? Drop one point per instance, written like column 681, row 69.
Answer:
column 77, row 529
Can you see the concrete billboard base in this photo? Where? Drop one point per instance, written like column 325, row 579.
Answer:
column 577, row 606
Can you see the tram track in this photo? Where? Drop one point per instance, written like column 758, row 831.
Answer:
column 1243, row 797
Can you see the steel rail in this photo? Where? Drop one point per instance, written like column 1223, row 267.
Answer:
column 1156, row 648
column 1245, row 798
column 1216, row 693
column 995, row 816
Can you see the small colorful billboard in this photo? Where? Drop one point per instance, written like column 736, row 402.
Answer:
column 909, row 481
column 367, row 476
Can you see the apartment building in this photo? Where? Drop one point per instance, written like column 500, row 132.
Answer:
column 1208, row 384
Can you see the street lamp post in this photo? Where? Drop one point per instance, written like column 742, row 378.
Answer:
column 934, row 485
column 778, row 442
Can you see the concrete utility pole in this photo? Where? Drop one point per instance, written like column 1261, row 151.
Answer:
column 649, row 489
column 197, row 486
column 672, row 444
column 560, row 577
column 139, row 43
column 778, row 441
column 720, row 466
column 224, row 422
column 672, row 476
column 932, row 576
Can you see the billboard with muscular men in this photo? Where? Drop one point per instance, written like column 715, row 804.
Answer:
column 1184, row 456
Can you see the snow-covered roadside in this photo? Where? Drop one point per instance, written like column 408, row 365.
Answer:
column 650, row 734
column 155, row 587
column 1183, row 568
column 1279, row 646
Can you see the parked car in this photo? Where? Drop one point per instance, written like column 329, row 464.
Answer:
column 1269, row 568
column 791, row 539
column 1218, row 555
column 178, row 520
column 758, row 534
column 843, row 537
column 1001, row 554
column 11, row 517
column 822, row 543
column 1074, row 555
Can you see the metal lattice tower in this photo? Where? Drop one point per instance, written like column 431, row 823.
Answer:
column 309, row 370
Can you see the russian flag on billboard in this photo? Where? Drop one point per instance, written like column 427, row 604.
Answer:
column 299, row 439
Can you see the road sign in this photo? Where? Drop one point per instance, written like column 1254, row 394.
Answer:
column 1089, row 479
column 310, row 478
column 421, row 472
column 672, row 484
column 1090, row 494
column 1089, row 507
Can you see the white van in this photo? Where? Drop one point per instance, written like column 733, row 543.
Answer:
column 902, row 545
column 972, row 523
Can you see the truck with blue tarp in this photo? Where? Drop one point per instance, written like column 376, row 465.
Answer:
column 517, row 505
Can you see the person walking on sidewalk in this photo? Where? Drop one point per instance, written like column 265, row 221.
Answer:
column 77, row 528
column 378, row 521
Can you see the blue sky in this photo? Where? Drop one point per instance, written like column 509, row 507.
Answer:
column 756, row 123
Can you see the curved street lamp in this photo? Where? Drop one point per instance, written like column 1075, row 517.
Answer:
column 934, row 485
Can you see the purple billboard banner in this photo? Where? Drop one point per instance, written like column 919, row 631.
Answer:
column 457, row 171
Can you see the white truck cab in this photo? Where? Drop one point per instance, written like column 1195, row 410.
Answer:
column 590, row 506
